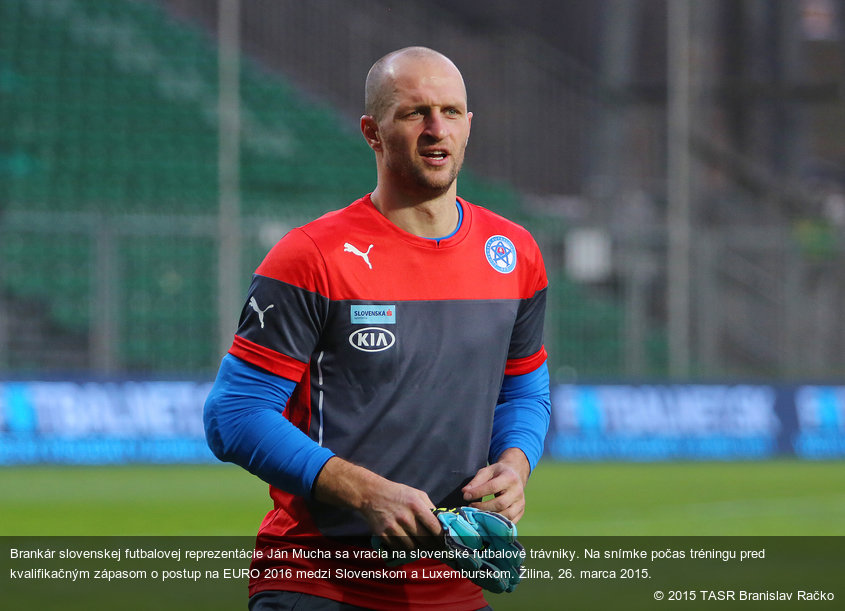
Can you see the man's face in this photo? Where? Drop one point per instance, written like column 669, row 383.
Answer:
column 425, row 129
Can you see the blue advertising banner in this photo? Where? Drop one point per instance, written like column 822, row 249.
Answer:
column 820, row 416
column 90, row 422
column 102, row 422
column 698, row 422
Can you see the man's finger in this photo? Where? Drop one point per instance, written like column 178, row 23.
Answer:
column 494, row 482
column 511, row 510
column 479, row 485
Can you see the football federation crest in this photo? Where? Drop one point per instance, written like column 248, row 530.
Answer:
column 501, row 254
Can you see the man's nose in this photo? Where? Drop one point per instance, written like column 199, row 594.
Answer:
column 436, row 126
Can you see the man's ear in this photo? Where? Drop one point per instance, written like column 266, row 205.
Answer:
column 369, row 127
column 469, row 123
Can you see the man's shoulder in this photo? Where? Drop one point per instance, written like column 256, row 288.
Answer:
column 333, row 225
column 486, row 220
column 323, row 232
column 300, row 255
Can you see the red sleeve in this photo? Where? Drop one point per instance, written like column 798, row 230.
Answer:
column 296, row 260
column 526, row 352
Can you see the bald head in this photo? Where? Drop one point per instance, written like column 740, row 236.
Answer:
column 381, row 79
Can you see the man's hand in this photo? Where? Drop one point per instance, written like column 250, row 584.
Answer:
column 401, row 516
column 468, row 531
column 505, row 480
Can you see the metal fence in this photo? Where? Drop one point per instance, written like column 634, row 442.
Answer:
column 765, row 303
column 137, row 294
column 113, row 294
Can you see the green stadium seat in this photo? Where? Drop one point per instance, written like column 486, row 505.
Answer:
column 99, row 130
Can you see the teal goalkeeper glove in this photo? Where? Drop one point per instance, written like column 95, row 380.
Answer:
column 484, row 545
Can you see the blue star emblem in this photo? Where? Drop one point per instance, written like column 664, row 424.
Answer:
column 501, row 254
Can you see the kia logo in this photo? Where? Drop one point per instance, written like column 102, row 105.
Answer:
column 372, row 339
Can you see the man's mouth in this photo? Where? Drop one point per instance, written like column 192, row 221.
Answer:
column 435, row 155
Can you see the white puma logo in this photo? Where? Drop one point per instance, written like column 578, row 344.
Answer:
column 364, row 255
column 259, row 311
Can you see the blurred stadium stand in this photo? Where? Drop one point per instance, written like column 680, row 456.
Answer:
column 109, row 171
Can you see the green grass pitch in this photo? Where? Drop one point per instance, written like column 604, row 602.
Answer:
column 591, row 499
column 578, row 505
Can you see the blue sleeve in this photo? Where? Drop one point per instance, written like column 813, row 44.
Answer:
column 522, row 415
column 244, row 424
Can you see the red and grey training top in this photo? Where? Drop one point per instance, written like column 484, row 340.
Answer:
column 399, row 345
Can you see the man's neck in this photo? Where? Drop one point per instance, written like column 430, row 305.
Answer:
column 427, row 218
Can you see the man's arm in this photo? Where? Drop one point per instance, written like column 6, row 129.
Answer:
column 244, row 424
column 520, row 424
column 398, row 514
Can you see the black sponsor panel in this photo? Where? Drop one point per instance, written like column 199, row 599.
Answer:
column 405, row 397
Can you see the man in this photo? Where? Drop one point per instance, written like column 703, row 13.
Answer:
column 402, row 337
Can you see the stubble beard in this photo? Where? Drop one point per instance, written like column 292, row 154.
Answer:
column 426, row 181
